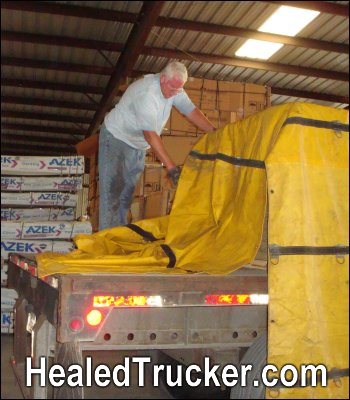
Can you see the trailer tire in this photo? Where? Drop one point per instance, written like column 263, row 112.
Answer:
column 256, row 356
column 66, row 355
column 185, row 391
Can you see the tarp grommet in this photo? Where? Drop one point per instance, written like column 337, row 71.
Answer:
column 337, row 129
column 338, row 383
column 274, row 393
column 274, row 259
column 340, row 258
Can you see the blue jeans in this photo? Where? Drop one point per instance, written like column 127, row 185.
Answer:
column 120, row 167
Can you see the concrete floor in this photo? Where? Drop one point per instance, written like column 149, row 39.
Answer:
column 11, row 390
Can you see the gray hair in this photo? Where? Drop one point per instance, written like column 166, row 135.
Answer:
column 175, row 68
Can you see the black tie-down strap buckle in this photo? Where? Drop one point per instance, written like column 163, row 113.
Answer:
column 339, row 251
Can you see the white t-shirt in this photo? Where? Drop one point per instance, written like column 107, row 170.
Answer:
column 144, row 108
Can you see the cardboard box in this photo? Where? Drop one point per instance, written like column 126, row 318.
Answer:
column 200, row 84
column 35, row 247
column 178, row 147
column 228, row 96
column 136, row 209
column 220, row 118
column 243, row 99
column 157, row 204
column 152, row 178
column 38, row 214
column 213, row 100
column 178, row 122
column 25, row 183
column 38, row 165
column 153, row 205
column 43, row 230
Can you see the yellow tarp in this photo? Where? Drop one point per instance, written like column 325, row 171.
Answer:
column 308, row 193
column 297, row 156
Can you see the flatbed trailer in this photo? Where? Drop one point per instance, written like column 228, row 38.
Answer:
column 181, row 317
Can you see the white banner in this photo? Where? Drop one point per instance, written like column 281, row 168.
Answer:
column 35, row 246
column 38, row 214
column 38, row 165
column 39, row 199
column 30, row 183
column 43, row 230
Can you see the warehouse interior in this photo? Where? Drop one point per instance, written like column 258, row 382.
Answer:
column 58, row 59
column 66, row 64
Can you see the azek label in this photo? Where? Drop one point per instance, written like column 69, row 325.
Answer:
column 35, row 246
column 26, row 165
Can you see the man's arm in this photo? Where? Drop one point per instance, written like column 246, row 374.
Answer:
column 200, row 120
column 158, row 147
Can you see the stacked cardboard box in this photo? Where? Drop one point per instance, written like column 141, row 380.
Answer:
column 153, row 194
column 39, row 205
column 221, row 102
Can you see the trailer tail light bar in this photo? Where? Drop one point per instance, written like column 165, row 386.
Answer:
column 103, row 301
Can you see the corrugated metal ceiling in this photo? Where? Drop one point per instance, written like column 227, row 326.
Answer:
column 190, row 46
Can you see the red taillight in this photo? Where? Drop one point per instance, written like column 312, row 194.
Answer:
column 236, row 299
column 76, row 324
column 222, row 299
column 120, row 301
column 94, row 317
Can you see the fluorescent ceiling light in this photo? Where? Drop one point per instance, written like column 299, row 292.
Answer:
column 258, row 49
column 284, row 21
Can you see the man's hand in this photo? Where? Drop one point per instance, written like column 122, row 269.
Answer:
column 174, row 175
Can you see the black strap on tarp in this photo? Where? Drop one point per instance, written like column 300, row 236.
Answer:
column 145, row 234
column 334, row 125
column 229, row 159
column 276, row 250
column 172, row 258
column 151, row 238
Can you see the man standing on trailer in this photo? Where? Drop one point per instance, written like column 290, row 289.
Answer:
column 133, row 126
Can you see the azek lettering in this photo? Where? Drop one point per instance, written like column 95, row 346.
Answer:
column 52, row 196
column 40, row 229
column 65, row 162
column 20, row 247
column 6, row 160
column 6, row 214
column 8, row 181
